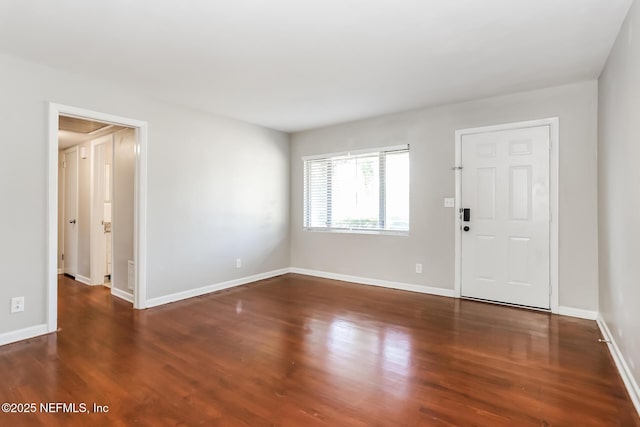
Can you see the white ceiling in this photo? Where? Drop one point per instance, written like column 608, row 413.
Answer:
column 296, row 64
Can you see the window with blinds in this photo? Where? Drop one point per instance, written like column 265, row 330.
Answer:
column 367, row 191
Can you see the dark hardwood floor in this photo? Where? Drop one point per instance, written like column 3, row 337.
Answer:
column 301, row 351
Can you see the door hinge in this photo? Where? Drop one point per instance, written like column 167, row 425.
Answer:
column 62, row 257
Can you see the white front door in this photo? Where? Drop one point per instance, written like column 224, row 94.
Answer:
column 505, row 236
column 70, row 252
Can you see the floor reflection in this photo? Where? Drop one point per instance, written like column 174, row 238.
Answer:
column 362, row 352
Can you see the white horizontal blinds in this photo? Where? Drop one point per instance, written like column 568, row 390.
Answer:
column 317, row 193
column 349, row 191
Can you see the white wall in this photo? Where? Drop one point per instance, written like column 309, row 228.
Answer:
column 619, row 196
column 430, row 132
column 124, row 169
column 218, row 189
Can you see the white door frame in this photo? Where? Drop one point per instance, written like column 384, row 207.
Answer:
column 140, row 204
column 553, row 123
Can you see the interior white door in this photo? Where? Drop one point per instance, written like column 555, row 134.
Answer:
column 70, row 167
column 100, row 220
column 505, row 241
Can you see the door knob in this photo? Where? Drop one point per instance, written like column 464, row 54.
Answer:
column 72, row 221
column 466, row 228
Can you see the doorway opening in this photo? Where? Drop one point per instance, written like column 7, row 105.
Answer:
column 97, row 203
column 88, row 151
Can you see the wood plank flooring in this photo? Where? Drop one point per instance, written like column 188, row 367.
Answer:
column 301, row 351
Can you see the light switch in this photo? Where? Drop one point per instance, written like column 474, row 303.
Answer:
column 449, row 202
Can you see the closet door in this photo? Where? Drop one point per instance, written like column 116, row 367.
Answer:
column 70, row 230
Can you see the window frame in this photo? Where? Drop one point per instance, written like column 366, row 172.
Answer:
column 382, row 152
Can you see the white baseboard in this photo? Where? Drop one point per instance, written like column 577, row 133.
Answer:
column 154, row 302
column 83, row 279
column 122, row 294
column 627, row 377
column 60, row 271
column 178, row 296
column 376, row 282
column 23, row 334
column 578, row 312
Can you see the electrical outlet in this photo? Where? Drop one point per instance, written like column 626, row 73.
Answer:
column 238, row 263
column 419, row 268
column 17, row 304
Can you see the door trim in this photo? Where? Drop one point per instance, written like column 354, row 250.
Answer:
column 554, row 130
column 140, row 203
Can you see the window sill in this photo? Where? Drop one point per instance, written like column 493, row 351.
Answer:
column 350, row 231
